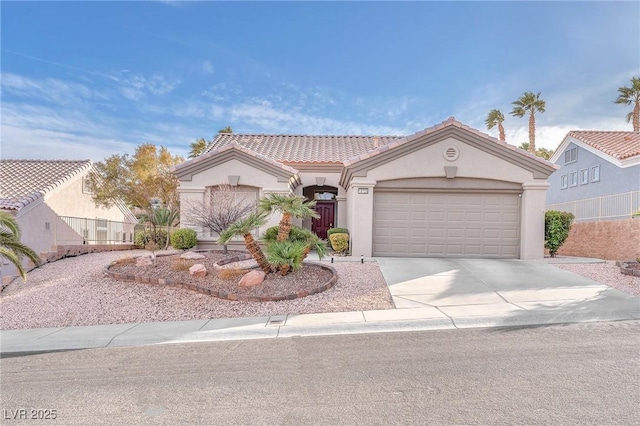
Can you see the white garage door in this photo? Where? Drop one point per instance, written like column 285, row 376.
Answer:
column 425, row 224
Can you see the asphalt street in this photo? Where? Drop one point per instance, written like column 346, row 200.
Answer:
column 586, row 373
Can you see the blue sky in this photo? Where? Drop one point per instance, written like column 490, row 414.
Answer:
column 91, row 79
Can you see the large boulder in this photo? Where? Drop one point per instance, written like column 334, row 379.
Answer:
column 198, row 270
column 144, row 261
column 190, row 255
column 251, row 279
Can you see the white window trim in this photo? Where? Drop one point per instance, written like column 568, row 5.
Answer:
column 569, row 151
column 573, row 179
column 583, row 176
column 564, row 182
column 593, row 172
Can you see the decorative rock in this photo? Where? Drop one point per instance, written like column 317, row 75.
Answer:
column 251, row 279
column 198, row 270
column 190, row 255
column 144, row 261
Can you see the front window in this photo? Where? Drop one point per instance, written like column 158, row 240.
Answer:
column 563, row 182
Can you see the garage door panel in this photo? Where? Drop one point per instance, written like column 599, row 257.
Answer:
column 439, row 224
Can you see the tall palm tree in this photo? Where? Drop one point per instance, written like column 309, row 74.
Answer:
column 629, row 95
column 529, row 103
column 11, row 248
column 244, row 227
column 197, row 148
column 290, row 206
column 495, row 118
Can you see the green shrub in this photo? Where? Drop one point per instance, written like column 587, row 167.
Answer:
column 339, row 242
column 286, row 255
column 298, row 234
column 557, row 225
column 142, row 238
column 184, row 239
column 337, row 231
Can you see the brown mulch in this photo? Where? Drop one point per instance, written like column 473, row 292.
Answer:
column 308, row 279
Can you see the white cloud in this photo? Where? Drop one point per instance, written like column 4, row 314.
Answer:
column 48, row 90
column 207, row 67
column 135, row 86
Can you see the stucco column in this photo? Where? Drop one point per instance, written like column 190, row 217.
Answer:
column 532, row 220
column 341, row 220
column 360, row 214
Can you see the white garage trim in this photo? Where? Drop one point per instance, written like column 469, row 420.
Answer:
column 416, row 223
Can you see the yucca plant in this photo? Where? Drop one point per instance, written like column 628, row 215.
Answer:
column 244, row 227
column 286, row 256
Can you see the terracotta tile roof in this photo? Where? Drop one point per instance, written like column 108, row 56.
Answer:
column 24, row 181
column 451, row 121
column 620, row 145
column 304, row 148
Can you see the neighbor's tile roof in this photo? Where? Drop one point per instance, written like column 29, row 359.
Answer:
column 304, row 148
column 23, row 181
column 620, row 145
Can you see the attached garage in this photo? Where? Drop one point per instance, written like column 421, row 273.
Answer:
column 446, row 224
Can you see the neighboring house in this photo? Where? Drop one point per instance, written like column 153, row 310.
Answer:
column 448, row 190
column 599, row 182
column 52, row 204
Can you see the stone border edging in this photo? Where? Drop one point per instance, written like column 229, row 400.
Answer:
column 167, row 282
column 626, row 269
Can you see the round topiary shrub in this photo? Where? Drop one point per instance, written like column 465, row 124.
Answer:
column 339, row 242
column 184, row 239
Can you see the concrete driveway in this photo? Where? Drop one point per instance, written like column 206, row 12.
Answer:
column 475, row 288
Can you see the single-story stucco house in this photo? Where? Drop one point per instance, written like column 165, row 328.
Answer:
column 447, row 191
column 53, row 206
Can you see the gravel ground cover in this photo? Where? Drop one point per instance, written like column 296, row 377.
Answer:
column 606, row 273
column 75, row 292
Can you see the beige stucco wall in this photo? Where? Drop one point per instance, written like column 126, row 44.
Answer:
column 70, row 200
column 430, row 162
column 42, row 230
column 195, row 189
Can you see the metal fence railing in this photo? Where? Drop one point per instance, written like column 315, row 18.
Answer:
column 78, row 230
column 618, row 206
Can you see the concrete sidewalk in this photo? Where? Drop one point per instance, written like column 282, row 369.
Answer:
column 430, row 294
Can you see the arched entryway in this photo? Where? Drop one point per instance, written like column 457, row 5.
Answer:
column 326, row 207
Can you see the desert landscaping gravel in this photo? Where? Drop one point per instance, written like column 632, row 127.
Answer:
column 76, row 291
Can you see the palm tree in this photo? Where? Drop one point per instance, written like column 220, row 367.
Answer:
column 494, row 118
column 286, row 256
column 197, row 148
column 11, row 248
column 290, row 206
column 529, row 103
column 310, row 240
column 244, row 227
column 629, row 95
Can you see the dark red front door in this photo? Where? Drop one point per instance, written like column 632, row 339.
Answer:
column 326, row 210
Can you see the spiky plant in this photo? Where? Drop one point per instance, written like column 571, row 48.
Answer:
column 11, row 248
column 290, row 206
column 311, row 240
column 496, row 118
column 529, row 103
column 286, row 256
column 244, row 227
column 628, row 96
